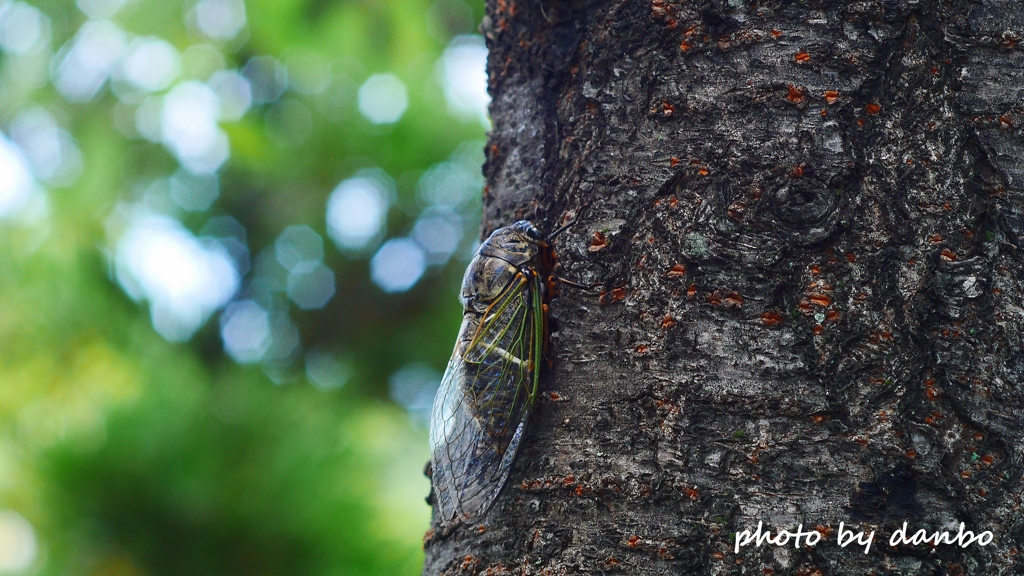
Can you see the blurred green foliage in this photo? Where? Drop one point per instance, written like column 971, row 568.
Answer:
column 129, row 454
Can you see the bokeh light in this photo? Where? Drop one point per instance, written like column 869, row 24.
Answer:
column 464, row 73
column 383, row 99
column 18, row 547
column 245, row 329
column 149, row 64
column 52, row 152
column 85, row 63
column 23, row 28
column 398, row 265
column 219, row 19
column 413, row 386
column 189, row 129
column 183, row 279
column 357, row 211
column 16, row 183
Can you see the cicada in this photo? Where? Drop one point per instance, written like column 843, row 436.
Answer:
column 481, row 409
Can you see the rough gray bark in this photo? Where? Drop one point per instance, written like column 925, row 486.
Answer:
column 810, row 218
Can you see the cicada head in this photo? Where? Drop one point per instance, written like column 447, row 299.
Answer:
column 499, row 259
column 516, row 244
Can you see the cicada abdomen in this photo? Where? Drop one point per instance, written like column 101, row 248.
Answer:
column 488, row 390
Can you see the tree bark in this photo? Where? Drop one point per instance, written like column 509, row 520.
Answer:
column 807, row 219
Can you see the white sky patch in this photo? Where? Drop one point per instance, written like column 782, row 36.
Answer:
column 85, row 63
column 219, row 19
column 16, row 183
column 51, row 150
column 383, row 99
column 357, row 212
column 188, row 127
column 398, row 265
column 23, row 28
column 18, row 546
column 245, row 330
column 150, row 64
column 183, row 278
column 463, row 69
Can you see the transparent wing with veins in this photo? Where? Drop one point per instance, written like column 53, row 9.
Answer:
column 482, row 405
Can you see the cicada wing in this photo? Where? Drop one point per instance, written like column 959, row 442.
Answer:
column 482, row 406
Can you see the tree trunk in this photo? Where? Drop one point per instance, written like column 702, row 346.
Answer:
column 806, row 217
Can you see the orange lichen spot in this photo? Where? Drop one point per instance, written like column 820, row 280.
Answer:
column 673, row 161
column 982, row 492
column 978, row 436
column 935, row 238
column 861, row 122
column 641, row 350
column 715, row 298
column 667, row 109
column 911, row 453
column 825, row 531
column 598, row 242
column 931, row 394
column 873, row 108
column 819, row 418
column 771, row 318
column 776, row 33
column 948, row 255
column 832, row 316
column 633, row 541
column 795, row 95
column 797, row 171
column 569, row 480
column 824, row 112
column 851, row 257
column 988, row 459
column 819, row 299
column 691, row 291
column 1006, row 121
column 673, row 202
column 685, row 46
column 676, row 272
column 735, row 210
column 581, row 490
column 733, row 301
column 831, row 96
column 481, row 529
column 804, row 306
column 966, row 474
column 703, row 171
column 691, row 493
column 668, row 322
column 802, row 57
column 947, row 206
column 815, row 269
column 618, row 294
column 818, row 329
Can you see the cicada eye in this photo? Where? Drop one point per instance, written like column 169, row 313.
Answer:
column 529, row 229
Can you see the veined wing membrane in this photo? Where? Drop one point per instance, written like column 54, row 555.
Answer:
column 484, row 400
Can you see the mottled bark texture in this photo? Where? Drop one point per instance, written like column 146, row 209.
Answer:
column 807, row 218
